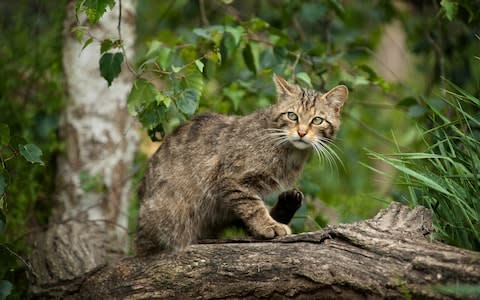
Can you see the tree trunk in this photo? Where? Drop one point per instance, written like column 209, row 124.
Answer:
column 390, row 256
column 89, row 220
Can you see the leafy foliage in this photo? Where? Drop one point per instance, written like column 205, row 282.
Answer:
column 94, row 9
column 31, row 153
column 111, row 66
column 30, row 101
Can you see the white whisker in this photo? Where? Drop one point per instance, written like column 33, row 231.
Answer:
column 275, row 136
column 324, row 145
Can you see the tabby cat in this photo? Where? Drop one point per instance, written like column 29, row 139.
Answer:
column 216, row 169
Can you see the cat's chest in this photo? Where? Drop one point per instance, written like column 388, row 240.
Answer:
column 290, row 171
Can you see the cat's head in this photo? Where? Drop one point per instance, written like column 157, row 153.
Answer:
column 304, row 117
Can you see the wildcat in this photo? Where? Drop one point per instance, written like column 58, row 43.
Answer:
column 215, row 169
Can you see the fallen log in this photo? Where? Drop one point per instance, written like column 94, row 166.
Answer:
column 390, row 256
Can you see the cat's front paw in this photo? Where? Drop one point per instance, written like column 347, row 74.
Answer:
column 288, row 203
column 272, row 230
column 290, row 200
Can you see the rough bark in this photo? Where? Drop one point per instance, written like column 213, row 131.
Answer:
column 88, row 225
column 390, row 256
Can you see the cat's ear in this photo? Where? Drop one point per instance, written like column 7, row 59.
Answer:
column 284, row 87
column 336, row 97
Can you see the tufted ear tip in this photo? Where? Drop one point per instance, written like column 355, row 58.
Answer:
column 337, row 96
column 283, row 87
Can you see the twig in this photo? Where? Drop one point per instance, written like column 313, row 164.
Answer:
column 122, row 46
column 439, row 60
column 29, row 267
column 298, row 28
column 294, row 65
column 375, row 56
column 203, row 16
column 253, row 37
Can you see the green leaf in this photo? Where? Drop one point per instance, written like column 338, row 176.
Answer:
column 211, row 33
column 303, row 77
column 236, row 33
column 152, row 116
column 94, row 9
column 235, row 94
column 280, row 52
column 110, row 66
column 227, row 47
column 153, row 48
column 88, row 42
column 257, row 24
column 159, row 53
column 31, row 153
column 374, row 78
column 5, row 289
column 249, row 58
column 142, row 94
column 202, row 32
column 193, row 79
column 199, row 65
column 188, row 100
column 161, row 98
column 175, row 69
column 164, row 57
column 216, row 56
column 407, row 102
column 450, row 8
column 106, row 45
column 79, row 32
column 4, row 134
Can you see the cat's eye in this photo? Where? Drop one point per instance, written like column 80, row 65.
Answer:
column 317, row 121
column 292, row 116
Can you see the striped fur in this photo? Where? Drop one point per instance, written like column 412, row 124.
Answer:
column 216, row 169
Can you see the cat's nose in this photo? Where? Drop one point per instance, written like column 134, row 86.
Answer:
column 301, row 133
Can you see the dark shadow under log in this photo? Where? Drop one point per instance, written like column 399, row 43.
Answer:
column 390, row 256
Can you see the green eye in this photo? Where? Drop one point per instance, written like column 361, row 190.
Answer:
column 292, row 116
column 317, row 121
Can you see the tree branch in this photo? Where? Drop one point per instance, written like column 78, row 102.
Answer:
column 389, row 256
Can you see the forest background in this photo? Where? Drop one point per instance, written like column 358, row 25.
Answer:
column 410, row 129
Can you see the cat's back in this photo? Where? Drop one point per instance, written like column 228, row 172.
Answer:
column 206, row 145
column 192, row 144
column 200, row 135
column 211, row 134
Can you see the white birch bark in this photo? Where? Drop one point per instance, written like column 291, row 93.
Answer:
column 100, row 135
column 89, row 221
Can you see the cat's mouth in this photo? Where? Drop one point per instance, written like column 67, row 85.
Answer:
column 300, row 144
